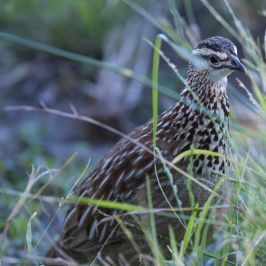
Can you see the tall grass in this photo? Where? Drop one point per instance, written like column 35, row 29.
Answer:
column 240, row 239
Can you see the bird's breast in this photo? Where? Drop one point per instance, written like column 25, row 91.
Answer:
column 198, row 131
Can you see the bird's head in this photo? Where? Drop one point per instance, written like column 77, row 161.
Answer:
column 218, row 57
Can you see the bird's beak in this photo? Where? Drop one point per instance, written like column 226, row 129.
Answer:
column 235, row 64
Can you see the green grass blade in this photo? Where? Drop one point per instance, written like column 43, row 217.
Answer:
column 174, row 247
column 105, row 203
column 189, row 232
column 195, row 152
column 155, row 79
column 29, row 234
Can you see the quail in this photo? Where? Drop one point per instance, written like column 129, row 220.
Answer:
column 199, row 120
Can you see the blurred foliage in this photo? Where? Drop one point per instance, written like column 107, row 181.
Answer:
column 78, row 25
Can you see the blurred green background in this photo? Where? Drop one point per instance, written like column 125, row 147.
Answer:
column 107, row 30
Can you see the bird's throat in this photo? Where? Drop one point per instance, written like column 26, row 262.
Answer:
column 205, row 93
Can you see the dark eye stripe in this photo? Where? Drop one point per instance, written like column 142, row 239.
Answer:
column 218, row 58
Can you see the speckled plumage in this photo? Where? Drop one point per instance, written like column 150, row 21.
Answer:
column 198, row 120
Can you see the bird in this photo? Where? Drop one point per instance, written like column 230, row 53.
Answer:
column 198, row 120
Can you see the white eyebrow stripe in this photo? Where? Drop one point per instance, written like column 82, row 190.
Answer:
column 207, row 52
column 235, row 50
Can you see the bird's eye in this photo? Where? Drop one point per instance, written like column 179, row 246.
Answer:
column 213, row 59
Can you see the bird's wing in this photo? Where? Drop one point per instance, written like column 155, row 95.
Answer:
column 117, row 178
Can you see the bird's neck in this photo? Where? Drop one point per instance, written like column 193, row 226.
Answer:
column 206, row 93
